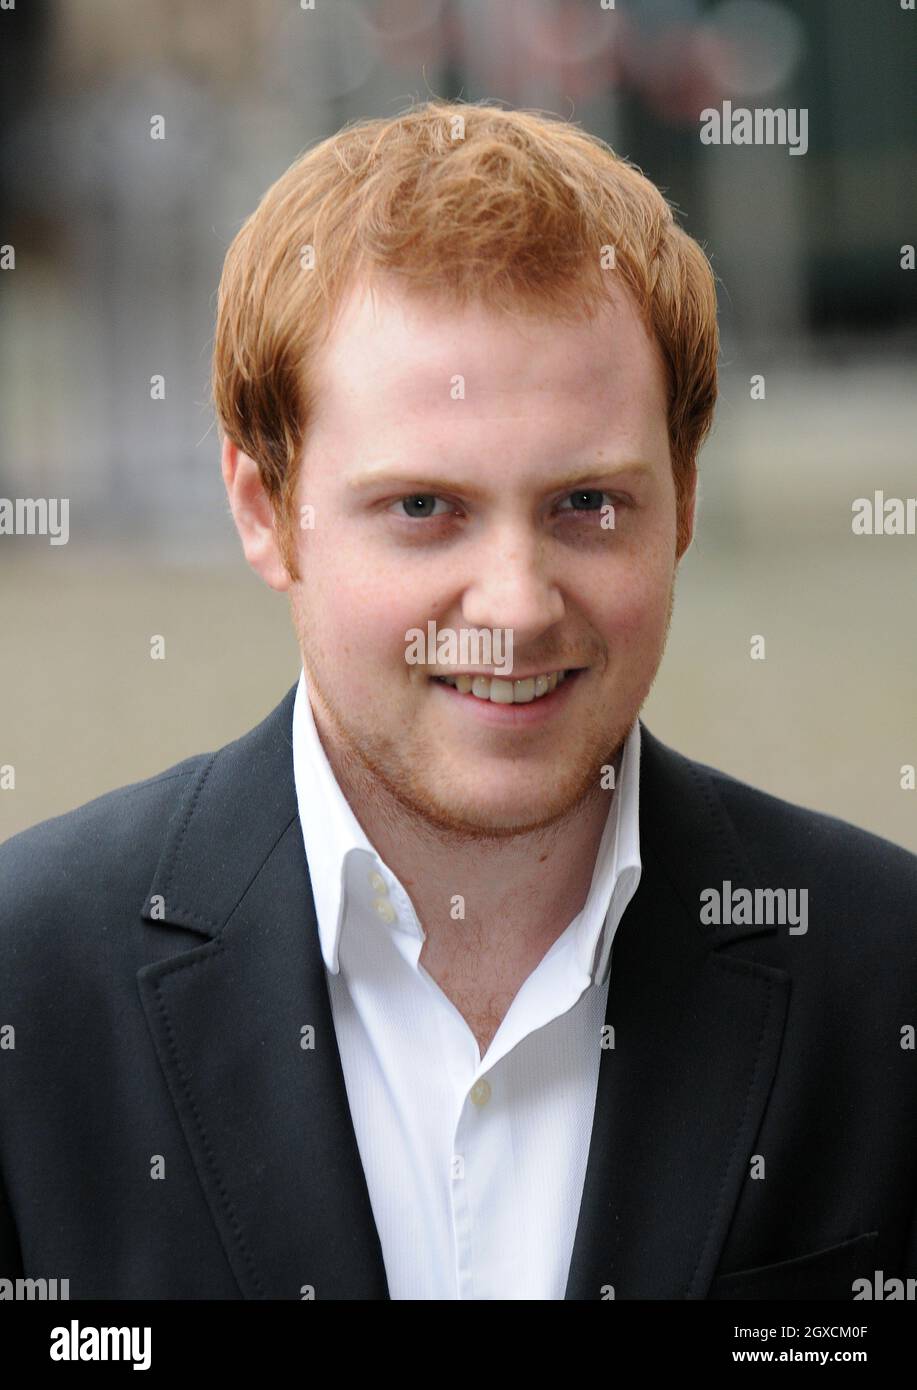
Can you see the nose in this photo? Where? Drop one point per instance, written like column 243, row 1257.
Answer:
column 513, row 588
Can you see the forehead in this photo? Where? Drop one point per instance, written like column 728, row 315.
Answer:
column 392, row 357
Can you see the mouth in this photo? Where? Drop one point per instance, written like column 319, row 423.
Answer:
column 510, row 702
column 508, row 691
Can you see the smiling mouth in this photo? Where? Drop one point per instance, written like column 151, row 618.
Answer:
column 500, row 691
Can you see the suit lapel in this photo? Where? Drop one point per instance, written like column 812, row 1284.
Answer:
column 697, row 1035
column 267, row 1120
column 680, row 1096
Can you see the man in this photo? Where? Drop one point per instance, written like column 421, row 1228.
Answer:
column 449, row 980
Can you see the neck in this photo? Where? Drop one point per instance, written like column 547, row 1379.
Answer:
column 527, row 886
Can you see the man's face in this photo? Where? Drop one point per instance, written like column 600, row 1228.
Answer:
column 451, row 500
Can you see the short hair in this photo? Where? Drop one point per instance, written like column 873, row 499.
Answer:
column 518, row 210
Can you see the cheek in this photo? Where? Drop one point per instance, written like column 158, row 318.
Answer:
column 634, row 605
column 360, row 615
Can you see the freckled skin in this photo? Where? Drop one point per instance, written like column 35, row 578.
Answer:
column 497, row 814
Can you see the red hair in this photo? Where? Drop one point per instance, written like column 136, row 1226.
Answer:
column 521, row 211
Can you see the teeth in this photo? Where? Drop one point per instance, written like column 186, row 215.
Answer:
column 505, row 692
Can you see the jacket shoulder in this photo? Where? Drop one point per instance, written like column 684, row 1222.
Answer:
column 80, row 857
column 75, row 874
column 709, row 827
column 797, row 833
column 779, row 839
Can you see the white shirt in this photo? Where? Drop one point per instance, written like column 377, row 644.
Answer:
column 474, row 1166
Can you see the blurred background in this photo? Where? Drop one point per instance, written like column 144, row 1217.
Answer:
column 119, row 242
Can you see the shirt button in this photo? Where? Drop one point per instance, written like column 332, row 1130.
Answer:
column 377, row 883
column 384, row 909
column 480, row 1092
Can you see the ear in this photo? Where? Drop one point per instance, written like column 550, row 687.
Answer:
column 254, row 516
column 686, row 515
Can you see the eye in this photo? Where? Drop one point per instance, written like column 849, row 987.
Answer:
column 588, row 500
column 418, row 505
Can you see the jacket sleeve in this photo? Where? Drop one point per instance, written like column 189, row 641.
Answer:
column 910, row 1249
column 10, row 1254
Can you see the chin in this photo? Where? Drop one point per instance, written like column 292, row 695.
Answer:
column 503, row 815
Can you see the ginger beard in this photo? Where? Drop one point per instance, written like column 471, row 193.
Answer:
column 425, row 771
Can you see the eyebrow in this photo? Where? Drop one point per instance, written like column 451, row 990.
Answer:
column 397, row 477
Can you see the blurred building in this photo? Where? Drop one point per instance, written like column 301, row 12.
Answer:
column 119, row 238
column 119, row 243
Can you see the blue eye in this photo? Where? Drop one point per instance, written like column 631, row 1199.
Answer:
column 411, row 509
column 420, row 506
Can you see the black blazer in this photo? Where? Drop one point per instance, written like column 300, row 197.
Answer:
column 159, row 956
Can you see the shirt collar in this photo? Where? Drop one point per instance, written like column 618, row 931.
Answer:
column 333, row 837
